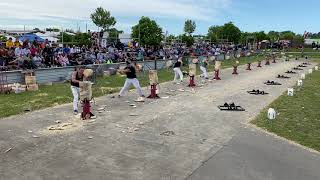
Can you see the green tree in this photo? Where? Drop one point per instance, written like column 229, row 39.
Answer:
column 287, row 35
column 70, row 30
column 53, row 29
column 214, row 33
column 170, row 38
column 231, row 32
column 273, row 36
column 148, row 31
column 260, row 36
column 83, row 39
column 102, row 18
column 187, row 39
column 66, row 37
column 113, row 34
column 3, row 39
column 298, row 40
column 189, row 26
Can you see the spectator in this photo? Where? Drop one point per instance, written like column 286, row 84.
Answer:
column 63, row 60
column 17, row 43
column 37, row 61
column 25, row 43
column 26, row 51
column 66, row 50
column 18, row 52
column 9, row 43
column 101, row 57
column 33, row 50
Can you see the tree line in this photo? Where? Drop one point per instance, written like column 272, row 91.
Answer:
column 148, row 33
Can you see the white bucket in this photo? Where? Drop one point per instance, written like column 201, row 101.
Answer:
column 271, row 114
column 290, row 91
column 300, row 82
column 303, row 76
column 316, row 68
column 310, row 71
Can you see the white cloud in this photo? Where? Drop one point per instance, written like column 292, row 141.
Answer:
column 66, row 10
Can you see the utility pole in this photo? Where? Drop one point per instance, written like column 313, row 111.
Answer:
column 62, row 36
column 139, row 37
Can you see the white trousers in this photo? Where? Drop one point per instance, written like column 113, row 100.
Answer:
column 128, row 83
column 177, row 72
column 76, row 95
column 204, row 72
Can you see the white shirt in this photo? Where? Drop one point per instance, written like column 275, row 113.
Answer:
column 72, row 51
column 25, row 52
column 18, row 52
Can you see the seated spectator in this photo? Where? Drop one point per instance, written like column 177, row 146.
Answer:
column 47, row 59
column 100, row 57
column 66, row 50
column 18, row 51
column 26, row 51
column 63, row 60
column 26, row 43
column 3, row 66
column 73, row 50
column 33, row 50
column 17, row 43
column 37, row 60
column 9, row 44
column 36, row 42
column 27, row 62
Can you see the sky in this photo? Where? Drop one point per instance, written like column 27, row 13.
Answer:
column 248, row 15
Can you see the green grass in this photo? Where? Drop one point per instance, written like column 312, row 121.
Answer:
column 299, row 118
column 60, row 93
column 305, row 50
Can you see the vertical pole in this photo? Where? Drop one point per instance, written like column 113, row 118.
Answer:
column 62, row 36
column 139, row 36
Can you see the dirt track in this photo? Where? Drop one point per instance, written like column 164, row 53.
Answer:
column 126, row 142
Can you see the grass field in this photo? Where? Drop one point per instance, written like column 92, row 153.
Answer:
column 299, row 118
column 60, row 93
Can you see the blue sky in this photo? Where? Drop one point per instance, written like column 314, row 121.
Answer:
column 248, row 15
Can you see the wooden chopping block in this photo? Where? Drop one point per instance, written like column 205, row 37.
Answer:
column 32, row 87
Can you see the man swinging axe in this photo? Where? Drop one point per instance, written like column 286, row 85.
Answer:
column 130, row 71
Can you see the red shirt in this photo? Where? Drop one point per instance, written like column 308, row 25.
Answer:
column 33, row 51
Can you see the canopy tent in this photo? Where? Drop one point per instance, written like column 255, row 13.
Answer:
column 30, row 37
column 49, row 36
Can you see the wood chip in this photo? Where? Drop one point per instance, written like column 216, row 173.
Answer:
column 8, row 150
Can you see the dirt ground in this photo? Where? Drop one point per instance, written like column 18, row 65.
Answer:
column 168, row 138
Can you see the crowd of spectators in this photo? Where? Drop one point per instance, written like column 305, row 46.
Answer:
column 32, row 55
